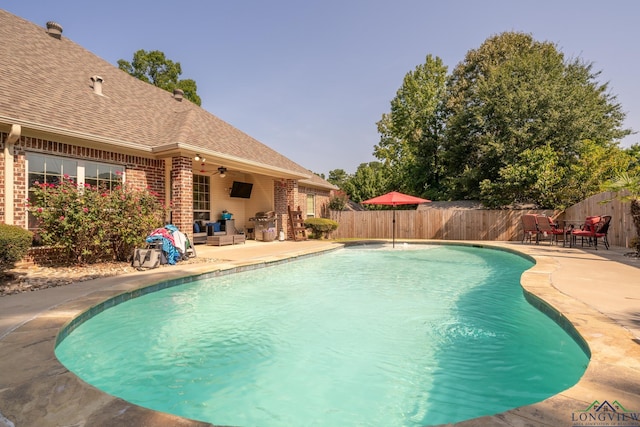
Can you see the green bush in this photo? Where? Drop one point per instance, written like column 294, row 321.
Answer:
column 338, row 202
column 14, row 244
column 320, row 226
column 92, row 224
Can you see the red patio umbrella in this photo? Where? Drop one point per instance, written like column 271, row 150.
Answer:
column 394, row 199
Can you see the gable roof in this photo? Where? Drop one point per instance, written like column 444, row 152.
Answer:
column 46, row 87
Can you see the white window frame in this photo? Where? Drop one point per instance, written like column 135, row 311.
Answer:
column 311, row 198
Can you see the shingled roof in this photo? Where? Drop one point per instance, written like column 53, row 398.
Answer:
column 47, row 86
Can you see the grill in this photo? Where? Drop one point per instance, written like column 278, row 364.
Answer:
column 265, row 229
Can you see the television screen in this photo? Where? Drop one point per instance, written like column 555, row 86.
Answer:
column 241, row 189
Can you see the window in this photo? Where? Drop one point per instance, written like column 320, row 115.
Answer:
column 50, row 170
column 201, row 195
column 311, row 205
column 47, row 169
column 103, row 175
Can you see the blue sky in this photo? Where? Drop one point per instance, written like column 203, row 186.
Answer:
column 311, row 78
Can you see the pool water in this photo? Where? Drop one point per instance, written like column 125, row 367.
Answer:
column 415, row 336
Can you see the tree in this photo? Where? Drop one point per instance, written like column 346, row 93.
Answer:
column 338, row 177
column 370, row 180
column 411, row 134
column 534, row 177
column 153, row 67
column 514, row 98
column 634, row 155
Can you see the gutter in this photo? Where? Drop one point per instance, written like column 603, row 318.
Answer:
column 74, row 134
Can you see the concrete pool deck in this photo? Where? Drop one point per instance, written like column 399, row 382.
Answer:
column 598, row 292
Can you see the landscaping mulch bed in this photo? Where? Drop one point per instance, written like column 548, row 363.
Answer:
column 32, row 277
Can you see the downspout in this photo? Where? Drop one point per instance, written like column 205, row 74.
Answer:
column 14, row 136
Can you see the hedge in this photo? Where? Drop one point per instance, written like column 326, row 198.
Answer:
column 14, row 244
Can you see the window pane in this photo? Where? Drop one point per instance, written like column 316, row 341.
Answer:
column 90, row 170
column 70, row 168
column 311, row 205
column 103, row 175
column 35, row 177
column 201, row 192
column 36, row 163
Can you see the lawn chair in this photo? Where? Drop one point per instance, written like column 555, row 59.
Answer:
column 594, row 228
column 529, row 228
column 547, row 228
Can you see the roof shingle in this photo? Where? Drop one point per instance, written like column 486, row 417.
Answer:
column 46, row 82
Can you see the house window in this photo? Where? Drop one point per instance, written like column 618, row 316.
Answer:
column 311, row 205
column 103, row 175
column 50, row 170
column 47, row 169
column 201, row 196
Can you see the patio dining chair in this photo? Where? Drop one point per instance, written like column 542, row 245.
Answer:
column 547, row 228
column 529, row 228
column 594, row 228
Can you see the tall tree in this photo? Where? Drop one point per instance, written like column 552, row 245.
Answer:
column 153, row 67
column 411, row 133
column 369, row 181
column 338, row 177
column 514, row 98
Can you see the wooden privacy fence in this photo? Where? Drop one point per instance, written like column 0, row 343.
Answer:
column 475, row 224
column 440, row 224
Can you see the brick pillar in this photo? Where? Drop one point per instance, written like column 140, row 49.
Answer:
column 182, row 194
column 286, row 194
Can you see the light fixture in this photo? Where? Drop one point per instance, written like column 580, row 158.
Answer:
column 222, row 171
column 198, row 158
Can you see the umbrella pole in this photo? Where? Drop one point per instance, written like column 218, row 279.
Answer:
column 393, row 244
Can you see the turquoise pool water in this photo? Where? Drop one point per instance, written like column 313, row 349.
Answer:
column 358, row 337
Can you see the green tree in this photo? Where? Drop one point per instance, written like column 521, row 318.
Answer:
column 593, row 165
column 411, row 133
column 634, row 159
column 153, row 67
column 514, row 98
column 338, row 177
column 370, row 180
column 534, row 177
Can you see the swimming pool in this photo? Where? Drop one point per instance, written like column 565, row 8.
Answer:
column 355, row 337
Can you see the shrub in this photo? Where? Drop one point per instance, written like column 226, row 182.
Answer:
column 92, row 224
column 14, row 244
column 320, row 226
column 338, row 202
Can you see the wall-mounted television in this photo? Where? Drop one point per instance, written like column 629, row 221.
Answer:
column 241, row 189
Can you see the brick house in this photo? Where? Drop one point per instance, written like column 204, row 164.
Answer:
column 63, row 110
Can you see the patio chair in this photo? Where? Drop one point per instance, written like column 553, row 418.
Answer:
column 547, row 228
column 602, row 231
column 594, row 228
column 529, row 228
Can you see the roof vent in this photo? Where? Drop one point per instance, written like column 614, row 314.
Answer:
column 54, row 29
column 97, row 84
column 178, row 94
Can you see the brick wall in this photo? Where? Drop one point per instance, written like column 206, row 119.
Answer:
column 182, row 190
column 141, row 172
